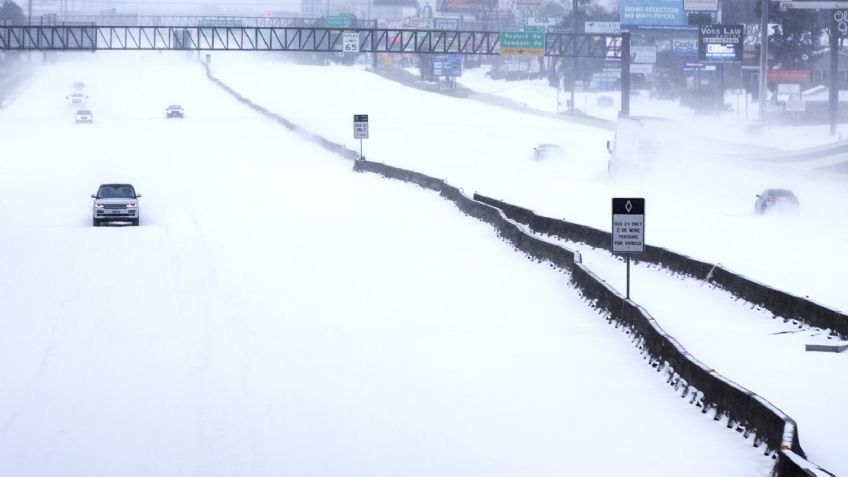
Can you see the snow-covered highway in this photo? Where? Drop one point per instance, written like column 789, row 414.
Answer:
column 276, row 314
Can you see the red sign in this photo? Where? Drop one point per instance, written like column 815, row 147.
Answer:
column 789, row 76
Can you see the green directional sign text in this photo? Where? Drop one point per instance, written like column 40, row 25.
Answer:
column 338, row 21
column 522, row 43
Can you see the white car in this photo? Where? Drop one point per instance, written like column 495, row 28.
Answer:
column 83, row 116
column 77, row 99
column 115, row 203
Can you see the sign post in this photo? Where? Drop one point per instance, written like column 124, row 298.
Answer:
column 628, row 229
column 360, row 130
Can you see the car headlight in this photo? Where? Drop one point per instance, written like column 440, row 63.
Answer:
column 132, row 206
column 99, row 206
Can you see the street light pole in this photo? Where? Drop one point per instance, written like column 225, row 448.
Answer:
column 763, row 60
column 573, row 60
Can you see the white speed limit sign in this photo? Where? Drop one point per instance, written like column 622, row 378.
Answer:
column 350, row 42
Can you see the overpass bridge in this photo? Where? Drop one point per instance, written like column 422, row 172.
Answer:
column 320, row 39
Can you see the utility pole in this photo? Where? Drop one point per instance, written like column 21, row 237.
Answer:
column 763, row 60
column 833, row 97
column 573, row 60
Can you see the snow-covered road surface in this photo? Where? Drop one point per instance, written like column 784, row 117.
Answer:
column 697, row 203
column 276, row 314
column 746, row 345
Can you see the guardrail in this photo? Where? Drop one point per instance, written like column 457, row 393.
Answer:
column 781, row 304
column 745, row 411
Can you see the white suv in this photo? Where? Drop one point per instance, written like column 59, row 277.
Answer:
column 83, row 116
column 115, row 203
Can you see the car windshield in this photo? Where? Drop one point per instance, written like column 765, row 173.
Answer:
column 116, row 191
column 779, row 193
column 175, row 107
column 83, row 111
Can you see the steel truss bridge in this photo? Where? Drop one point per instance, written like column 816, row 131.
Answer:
column 188, row 21
column 306, row 39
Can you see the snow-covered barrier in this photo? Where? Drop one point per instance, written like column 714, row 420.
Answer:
column 320, row 140
column 743, row 410
column 781, row 304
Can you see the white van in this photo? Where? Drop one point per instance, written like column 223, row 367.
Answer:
column 635, row 143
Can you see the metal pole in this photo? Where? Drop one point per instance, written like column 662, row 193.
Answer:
column 833, row 98
column 625, row 73
column 573, row 60
column 360, row 149
column 628, row 276
column 763, row 59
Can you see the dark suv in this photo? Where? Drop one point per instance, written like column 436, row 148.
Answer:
column 775, row 199
column 115, row 203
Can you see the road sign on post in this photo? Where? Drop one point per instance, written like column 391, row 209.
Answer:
column 522, row 43
column 350, row 42
column 360, row 130
column 628, row 229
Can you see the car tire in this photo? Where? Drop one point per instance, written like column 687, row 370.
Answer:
column 134, row 222
column 95, row 223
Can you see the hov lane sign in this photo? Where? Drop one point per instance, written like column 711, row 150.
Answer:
column 628, row 225
column 360, row 126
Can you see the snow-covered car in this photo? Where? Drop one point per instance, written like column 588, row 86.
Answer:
column 605, row 102
column 83, row 116
column 547, row 151
column 76, row 99
column 174, row 111
column 115, row 203
column 778, row 199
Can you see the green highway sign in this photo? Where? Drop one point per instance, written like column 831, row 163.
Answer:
column 338, row 21
column 522, row 43
column 220, row 22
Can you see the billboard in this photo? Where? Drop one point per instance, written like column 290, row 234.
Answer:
column 395, row 3
column 789, row 76
column 721, row 43
column 700, row 5
column 684, row 47
column 602, row 27
column 466, row 5
column 643, row 54
column 652, row 13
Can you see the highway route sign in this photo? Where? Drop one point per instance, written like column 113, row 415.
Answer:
column 522, row 43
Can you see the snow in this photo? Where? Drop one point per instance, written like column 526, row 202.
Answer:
column 699, row 201
column 736, row 340
column 277, row 314
column 728, row 126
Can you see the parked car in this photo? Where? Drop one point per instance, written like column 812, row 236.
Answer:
column 546, row 151
column 83, row 116
column 175, row 111
column 76, row 99
column 775, row 199
column 115, row 203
